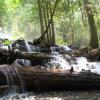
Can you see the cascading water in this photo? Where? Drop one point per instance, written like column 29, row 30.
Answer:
column 83, row 64
column 66, row 62
column 23, row 62
column 29, row 49
column 22, row 86
column 58, row 61
column 10, row 78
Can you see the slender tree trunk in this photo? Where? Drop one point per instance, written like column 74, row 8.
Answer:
column 40, row 16
column 80, row 6
column 44, row 41
column 48, row 18
column 45, row 23
column 91, row 22
column 72, row 30
column 52, row 26
column 38, row 41
column 40, row 7
column 71, row 17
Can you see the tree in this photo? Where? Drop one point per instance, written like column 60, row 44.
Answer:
column 44, row 15
column 2, row 12
column 68, row 24
column 91, row 22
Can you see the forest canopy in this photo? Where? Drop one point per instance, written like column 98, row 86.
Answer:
column 74, row 22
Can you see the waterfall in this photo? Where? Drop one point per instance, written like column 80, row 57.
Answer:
column 58, row 62
column 23, row 62
column 79, row 64
column 28, row 47
column 10, row 78
column 58, row 59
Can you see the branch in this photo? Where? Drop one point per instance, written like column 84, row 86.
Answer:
column 38, row 41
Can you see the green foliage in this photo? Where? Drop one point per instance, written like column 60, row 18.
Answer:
column 75, row 11
column 6, row 42
column 12, row 4
column 21, row 18
column 2, row 12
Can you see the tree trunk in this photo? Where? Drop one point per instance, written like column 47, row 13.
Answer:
column 40, row 7
column 57, row 80
column 80, row 4
column 52, row 26
column 91, row 22
column 38, row 41
column 71, row 18
column 72, row 31
column 48, row 18
column 45, row 24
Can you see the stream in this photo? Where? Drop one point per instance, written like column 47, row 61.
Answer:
column 57, row 95
column 79, row 64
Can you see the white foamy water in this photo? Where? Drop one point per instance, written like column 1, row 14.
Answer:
column 62, row 62
column 95, row 67
column 83, row 64
column 79, row 64
column 59, row 61
column 65, row 48
column 28, row 46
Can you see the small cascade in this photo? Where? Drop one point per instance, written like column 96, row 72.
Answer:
column 65, row 48
column 22, row 86
column 82, row 64
column 79, row 64
column 53, row 50
column 31, row 48
column 63, row 63
column 28, row 47
column 66, row 62
column 95, row 67
column 59, row 62
column 38, row 49
column 10, row 78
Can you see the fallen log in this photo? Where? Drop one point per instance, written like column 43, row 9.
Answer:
column 51, row 79
column 92, row 55
column 37, row 79
column 8, row 56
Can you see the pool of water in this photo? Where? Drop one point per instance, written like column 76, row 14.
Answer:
column 57, row 95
